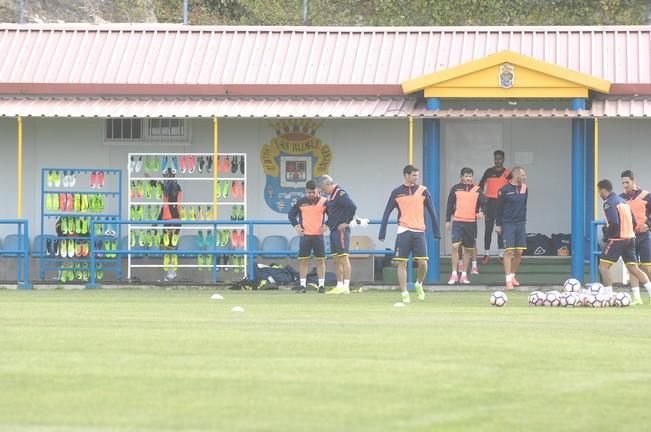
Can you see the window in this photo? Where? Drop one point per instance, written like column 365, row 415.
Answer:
column 174, row 128
column 124, row 129
column 154, row 130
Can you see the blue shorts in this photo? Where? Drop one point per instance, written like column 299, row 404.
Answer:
column 514, row 236
column 340, row 242
column 411, row 242
column 311, row 244
column 643, row 248
column 464, row 233
column 619, row 248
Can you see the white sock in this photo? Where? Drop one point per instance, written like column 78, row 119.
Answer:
column 321, row 282
column 346, row 283
column 463, row 274
column 647, row 286
column 340, row 284
column 474, row 263
column 460, row 262
column 501, row 253
column 303, row 282
column 636, row 293
column 509, row 277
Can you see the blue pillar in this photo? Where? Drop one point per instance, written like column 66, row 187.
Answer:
column 433, row 104
column 589, row 175
column 577, row 104
column 432, row 180
column 578, row 197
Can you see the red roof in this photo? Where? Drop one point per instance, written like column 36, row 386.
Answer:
column 142, row 59
column 289, row 107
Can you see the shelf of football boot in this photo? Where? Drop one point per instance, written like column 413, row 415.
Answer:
column 83, row 237
column 208, row 223
column 75, row 172
column 85, row 259
column 79, row 242
column 184, row 203
column 83, row 170
column 188, row 265
column 138, row 162
column 84, row 188
column 79, row 214
column 82, row 192
column 187, row 178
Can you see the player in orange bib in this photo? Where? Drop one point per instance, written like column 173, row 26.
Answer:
column 465, row 203
column 640, row 203
column 307, row 217
column 492, row 181
column 412, row 201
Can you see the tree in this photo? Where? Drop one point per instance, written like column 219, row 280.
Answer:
column 410, row 12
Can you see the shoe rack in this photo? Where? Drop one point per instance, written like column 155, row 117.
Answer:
column 70, row 198
column 203, row 199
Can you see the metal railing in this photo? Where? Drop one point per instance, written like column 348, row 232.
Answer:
column 21, row 253
column 594, row 248
column 213, row 251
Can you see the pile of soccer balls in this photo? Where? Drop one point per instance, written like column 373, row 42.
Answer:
column 574, row 295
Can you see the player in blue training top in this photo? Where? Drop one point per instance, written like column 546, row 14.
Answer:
column 619, row 234
column 510, row 222
column 341, row 211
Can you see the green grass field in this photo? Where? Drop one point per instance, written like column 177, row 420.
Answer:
column 157, row 360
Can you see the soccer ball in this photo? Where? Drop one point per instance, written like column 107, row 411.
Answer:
column 584, row 296
column 622, row 299
column 572, row 285
column 536, row 298
column 598, row 301
column 595, row 288
column 610, row 297
column 557, row 293
column 499, row 299
column 551, row 299
column 569, row 299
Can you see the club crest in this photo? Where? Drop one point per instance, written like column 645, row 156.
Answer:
column 506, row 75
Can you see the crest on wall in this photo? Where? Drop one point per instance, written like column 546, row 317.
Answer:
column 507, row 75
column 289, row 160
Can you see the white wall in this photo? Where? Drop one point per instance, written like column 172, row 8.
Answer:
column 368, row 157
column 625, row 144
column 541, row 147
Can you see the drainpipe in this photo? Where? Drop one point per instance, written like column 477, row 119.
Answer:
column 21, row 11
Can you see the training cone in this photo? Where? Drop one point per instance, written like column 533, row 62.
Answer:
column 216, row 297
column 237, row 309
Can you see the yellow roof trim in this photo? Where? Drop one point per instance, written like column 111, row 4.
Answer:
column 577, row 78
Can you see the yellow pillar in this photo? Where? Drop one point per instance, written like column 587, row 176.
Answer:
column 215, row 171
column 20, row 168
column 596, row 168
column 411, row 140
